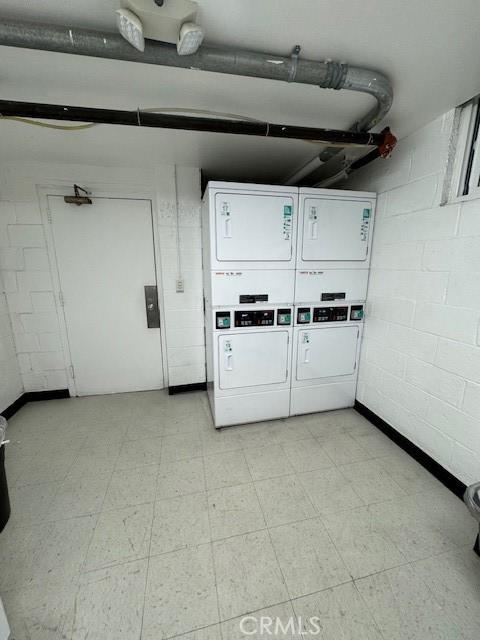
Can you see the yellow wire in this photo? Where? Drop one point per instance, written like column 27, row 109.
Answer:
column 76, row 127
column 234, row 116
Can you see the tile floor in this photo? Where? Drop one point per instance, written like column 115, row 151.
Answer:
column 134, row 519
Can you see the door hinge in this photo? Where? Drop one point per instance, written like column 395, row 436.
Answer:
column 72, row 371
column 61, row 299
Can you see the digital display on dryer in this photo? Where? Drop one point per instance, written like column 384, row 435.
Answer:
column 330, row 314
column 254, row 318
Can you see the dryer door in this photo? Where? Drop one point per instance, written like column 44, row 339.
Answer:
column 253, row 227
column 326, row 352
column 252, row 359
column 335, row 230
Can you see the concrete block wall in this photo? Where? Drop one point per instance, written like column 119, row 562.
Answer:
column 30, row 299
column 11, row 386
column 28, row 279
column 420, row 364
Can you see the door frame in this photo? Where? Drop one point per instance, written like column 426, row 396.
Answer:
column 106, row 191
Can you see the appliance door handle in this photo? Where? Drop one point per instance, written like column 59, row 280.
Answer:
column 306, row 356
column 227, row 227
column 313, row 230
column 229, row 362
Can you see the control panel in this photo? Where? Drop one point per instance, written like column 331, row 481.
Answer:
column 330, row 314
column 253, row 318
column 307, row 315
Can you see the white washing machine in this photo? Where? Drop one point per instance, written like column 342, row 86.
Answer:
column 326, row 349
column 335, row 230
column 249, row 243
column 249, row 351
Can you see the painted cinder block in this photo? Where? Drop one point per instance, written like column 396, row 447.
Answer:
column 434, row 442
column 27, row 213
column 470, row 218
column 26, row 235
column 388, row 359
column 11, row 258
column 439, row 383
column 412, row 342
column 413, row 196
column 36, row 259
column 449, row 322
column 46, row 361
column 395, row 310
column 454, row 423
column 471, row 400
column 38, row 322
column 34, row 281
column 464, row 290
column 19, row 303
column 27, row 342
column 465, row 463
column 462, row 359
column 9, row 281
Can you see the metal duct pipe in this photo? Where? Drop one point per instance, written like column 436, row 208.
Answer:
column 326, row 74
column 15, row 109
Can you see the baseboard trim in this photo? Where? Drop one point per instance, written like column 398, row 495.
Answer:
column 455, row 485
column 33, row 396
column 185, row 388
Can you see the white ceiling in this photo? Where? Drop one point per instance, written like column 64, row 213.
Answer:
column 429, row 49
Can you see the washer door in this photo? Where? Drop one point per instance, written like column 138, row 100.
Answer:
column 252, row 359
column 326, row 352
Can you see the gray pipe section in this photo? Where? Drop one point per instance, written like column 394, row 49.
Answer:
column 325, row 74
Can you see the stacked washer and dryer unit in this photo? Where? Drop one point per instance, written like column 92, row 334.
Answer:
column 285, row 282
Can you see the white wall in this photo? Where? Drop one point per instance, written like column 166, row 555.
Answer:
column 420, row 365
column 11, row 386
column 27, row 273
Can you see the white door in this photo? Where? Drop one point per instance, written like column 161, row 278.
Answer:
column 326, row 352
column 254, row 227
column 252, row 359
column 335, row 229
column 105, row 258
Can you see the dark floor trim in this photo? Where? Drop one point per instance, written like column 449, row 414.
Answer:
column 445, row 477
column 14, row 407
column 33, row 396
column 184, row 388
